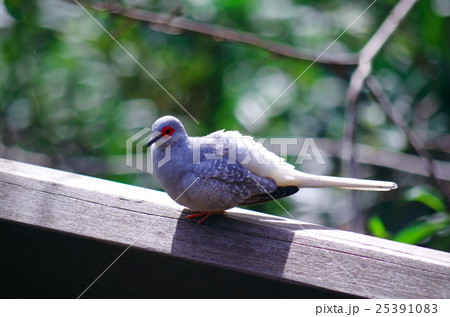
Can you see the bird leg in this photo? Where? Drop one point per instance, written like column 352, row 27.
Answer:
column 205, row 215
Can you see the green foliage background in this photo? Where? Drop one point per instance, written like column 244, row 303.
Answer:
column 71, row 97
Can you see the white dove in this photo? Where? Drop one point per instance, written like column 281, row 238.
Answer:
column 225, row 169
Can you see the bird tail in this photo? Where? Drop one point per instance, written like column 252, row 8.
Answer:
column 313, row 181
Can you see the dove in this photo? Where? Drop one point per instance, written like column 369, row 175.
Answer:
column 226, row 169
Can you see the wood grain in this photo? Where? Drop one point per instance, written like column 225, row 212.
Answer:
column 90, row 221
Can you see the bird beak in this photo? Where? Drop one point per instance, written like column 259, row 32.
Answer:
column 154, row 140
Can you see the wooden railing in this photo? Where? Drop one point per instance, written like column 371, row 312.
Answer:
column 68, row 235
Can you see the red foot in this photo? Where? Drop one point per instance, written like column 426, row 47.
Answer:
column 205, row 215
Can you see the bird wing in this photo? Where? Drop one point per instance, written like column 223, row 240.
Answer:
column 255, row 157
column 223, row 185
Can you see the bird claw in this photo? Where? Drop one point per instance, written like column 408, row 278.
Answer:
column 205, row 215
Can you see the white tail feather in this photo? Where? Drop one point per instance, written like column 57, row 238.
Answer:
column 260, row 161
column 312, row 181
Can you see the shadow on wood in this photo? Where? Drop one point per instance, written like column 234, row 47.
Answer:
column 42, row 263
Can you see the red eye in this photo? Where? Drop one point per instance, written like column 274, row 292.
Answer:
column 167, row 131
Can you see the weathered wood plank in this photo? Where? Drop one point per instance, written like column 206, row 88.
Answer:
column 242, row 242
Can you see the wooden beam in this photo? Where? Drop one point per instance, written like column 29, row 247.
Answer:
column 63, row 230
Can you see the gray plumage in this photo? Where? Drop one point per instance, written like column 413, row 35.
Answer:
column 225, row 169
column 216, row 183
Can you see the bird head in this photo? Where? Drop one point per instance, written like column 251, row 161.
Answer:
column 167, row 130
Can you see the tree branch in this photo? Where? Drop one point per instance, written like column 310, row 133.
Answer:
column 367, row 54
column 379, row 95
column 223, row 33
column 374, row 45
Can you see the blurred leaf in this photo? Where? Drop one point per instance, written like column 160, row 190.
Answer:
column 425, row 197
column 376, row 226
column 418, row 231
